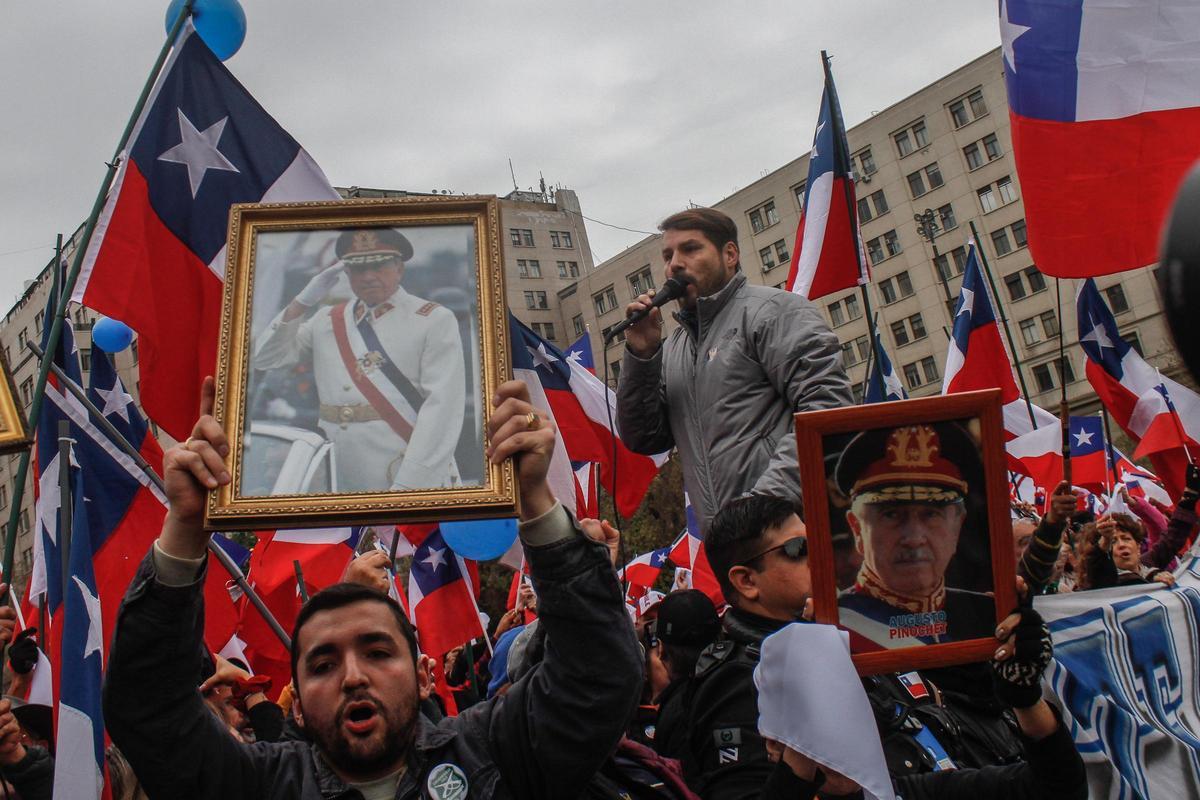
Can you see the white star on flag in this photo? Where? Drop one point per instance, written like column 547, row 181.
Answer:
column 436, row 558
column 1099, row 336
column 198, row 150
column 574, row 357
column 1083, row 437
column 116, row 400
column 49, row 499
column 95, row 634
column 816, row 137
column 1009, row 33
column 540, row 357
column 968, row 303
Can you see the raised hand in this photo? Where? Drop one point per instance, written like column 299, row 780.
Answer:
column 190, row 470
column 516, row 430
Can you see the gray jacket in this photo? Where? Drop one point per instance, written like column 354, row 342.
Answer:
column 725, row 397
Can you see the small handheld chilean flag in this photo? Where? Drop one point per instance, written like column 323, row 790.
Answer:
column 883, row 384
column 1041, row 454
column 1104, row 100
column 581, row 353
column 644, row 570
column 827, row 257
column 157, row 262
column 440, row 597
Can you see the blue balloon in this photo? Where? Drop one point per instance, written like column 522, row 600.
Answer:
column 220, row 23
column 111, row 335
column 480, row 540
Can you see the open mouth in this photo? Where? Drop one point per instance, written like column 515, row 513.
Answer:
column 359, row 717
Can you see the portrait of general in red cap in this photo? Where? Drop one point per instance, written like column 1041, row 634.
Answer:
column 909, row 490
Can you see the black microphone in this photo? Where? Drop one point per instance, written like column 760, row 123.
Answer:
column 672, row 289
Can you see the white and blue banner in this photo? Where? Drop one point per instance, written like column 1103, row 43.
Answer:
column 1126, row 676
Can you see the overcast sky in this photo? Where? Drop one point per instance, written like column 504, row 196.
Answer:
column 639, row 106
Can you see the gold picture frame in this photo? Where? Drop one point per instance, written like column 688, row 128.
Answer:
column 14, row 427
column 361, row 343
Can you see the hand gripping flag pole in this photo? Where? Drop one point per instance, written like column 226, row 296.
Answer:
column 10, row 542
column 120, row 441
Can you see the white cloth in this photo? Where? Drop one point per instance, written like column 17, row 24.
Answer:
column 811, row 699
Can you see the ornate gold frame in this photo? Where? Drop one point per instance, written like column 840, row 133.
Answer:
column 14, row 428
column 496, row 497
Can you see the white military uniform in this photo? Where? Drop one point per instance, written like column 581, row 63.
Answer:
column 422, row 339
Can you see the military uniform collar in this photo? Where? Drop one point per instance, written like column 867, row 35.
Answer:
column 395, row 300
column 870, row 584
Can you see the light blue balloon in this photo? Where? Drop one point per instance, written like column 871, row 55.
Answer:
column 220, row 23
column 480, row 540
column 111, row 335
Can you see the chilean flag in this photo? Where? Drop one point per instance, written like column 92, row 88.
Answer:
column 976, row 358
column 883, row 384
column 1040, row 452
column 827, row 257
column 441, row 599
column 587, row 502
column 644, row 570
column 1129, row 388
column 157, row 260
column 580, row 353
column 581, row 406
column 688, row 552
column 1104, row 99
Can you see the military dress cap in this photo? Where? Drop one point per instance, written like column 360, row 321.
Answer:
column 370, row 246
column 917, row 463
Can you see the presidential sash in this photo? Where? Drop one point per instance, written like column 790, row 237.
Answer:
column 389, row 396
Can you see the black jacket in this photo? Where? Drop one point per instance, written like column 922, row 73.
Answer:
column 545, row 738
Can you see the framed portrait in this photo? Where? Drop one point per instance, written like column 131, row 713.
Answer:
column 14, row 428
column 909, row 531
column 361, row 342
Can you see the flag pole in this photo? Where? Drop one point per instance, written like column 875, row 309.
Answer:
column 120, row 441
column 1064, row 408
column 1180, row 431
column 10, row 542
column 1110, row 454
column 870, row 358
column 300, row 587
column 1012, row 346
column 65, row 510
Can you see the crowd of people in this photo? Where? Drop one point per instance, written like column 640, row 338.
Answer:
column 569, row 697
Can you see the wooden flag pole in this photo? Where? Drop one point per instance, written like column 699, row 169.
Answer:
column 10, row 542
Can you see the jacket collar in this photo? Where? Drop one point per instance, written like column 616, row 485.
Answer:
column 429, row 737
column 746, row 628
column 708, row 307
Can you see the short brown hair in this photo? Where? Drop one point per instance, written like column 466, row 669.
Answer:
column 716, row 226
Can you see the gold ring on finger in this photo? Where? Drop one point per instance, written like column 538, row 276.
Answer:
column 532, row 422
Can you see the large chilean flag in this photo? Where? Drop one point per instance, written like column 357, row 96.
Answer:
column 1103, row 98
column 157, row 260
column 827, row 257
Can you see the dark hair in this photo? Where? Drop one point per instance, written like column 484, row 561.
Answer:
column 737, row 533
column 1127, row 523
column 716, row 226
column 344, row 594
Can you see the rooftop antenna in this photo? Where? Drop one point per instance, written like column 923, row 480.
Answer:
column 514, row 176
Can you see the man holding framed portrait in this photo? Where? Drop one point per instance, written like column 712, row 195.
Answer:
column 388, row 367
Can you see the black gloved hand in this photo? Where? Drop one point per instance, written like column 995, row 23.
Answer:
column 1017, row 679
column 23, row 652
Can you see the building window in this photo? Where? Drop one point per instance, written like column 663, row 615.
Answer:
column 544, row 330
column 27, row 560
column 3, row 496
column 1130, row 337
column 865, row 161
column 855, row 352
column 620, row 337
column 27, row 391
column 37, row 320
column 892, row 242
column 950, row 264
column 978, row 107
column 520, row 237
column 641, row 281
column 958, row 113
column 21, row 339
column 917, row 323
column 875, row 250
column 1116, row 299
column 1008, row 192
column 23, row 525
column 1001, row 193
column 568, row 269
column 798, row 193
column 605, row 301
column 1001, row 243
column 1018, row 232
column 615, row 369
column 872, row 206
column 925, row 180
column 781, row 252
column 535, row 300
column 1016, row 287
column 560, row 239
column 852, row 309
column 911, row 139
column 946, row 217
column 85, row 360
column 577, row 324
column 974, row 155
column 1053, row 374
column 912, row 375
column 968, row 109
column 764, row 216
column 856, row 390
column 845, row 309
column 895, row 288
column 1037, row 281
column 987, row 199
column 767, row 256
column 900, row 333
column 991, row 146
column 1029, row 331
column 529, row 268
column 836, row 316
column 1049, row 323
column 929, row 369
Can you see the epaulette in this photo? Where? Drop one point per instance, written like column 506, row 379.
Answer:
column 427, row 309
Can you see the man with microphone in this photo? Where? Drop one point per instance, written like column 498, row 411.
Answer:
column 724, row 386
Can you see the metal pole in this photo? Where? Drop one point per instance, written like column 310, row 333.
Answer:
column 870, row 360
column 300, row 587
column 1012, row 347
column 43, row 634
column 35, row 407
column 1109, row 453
column 1064, row 408
column 64, row 502
column 120, row 441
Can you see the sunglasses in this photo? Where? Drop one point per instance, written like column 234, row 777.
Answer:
column 795, row 549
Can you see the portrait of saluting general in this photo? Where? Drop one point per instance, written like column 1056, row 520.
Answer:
column 364, row 360
column 912, row 497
